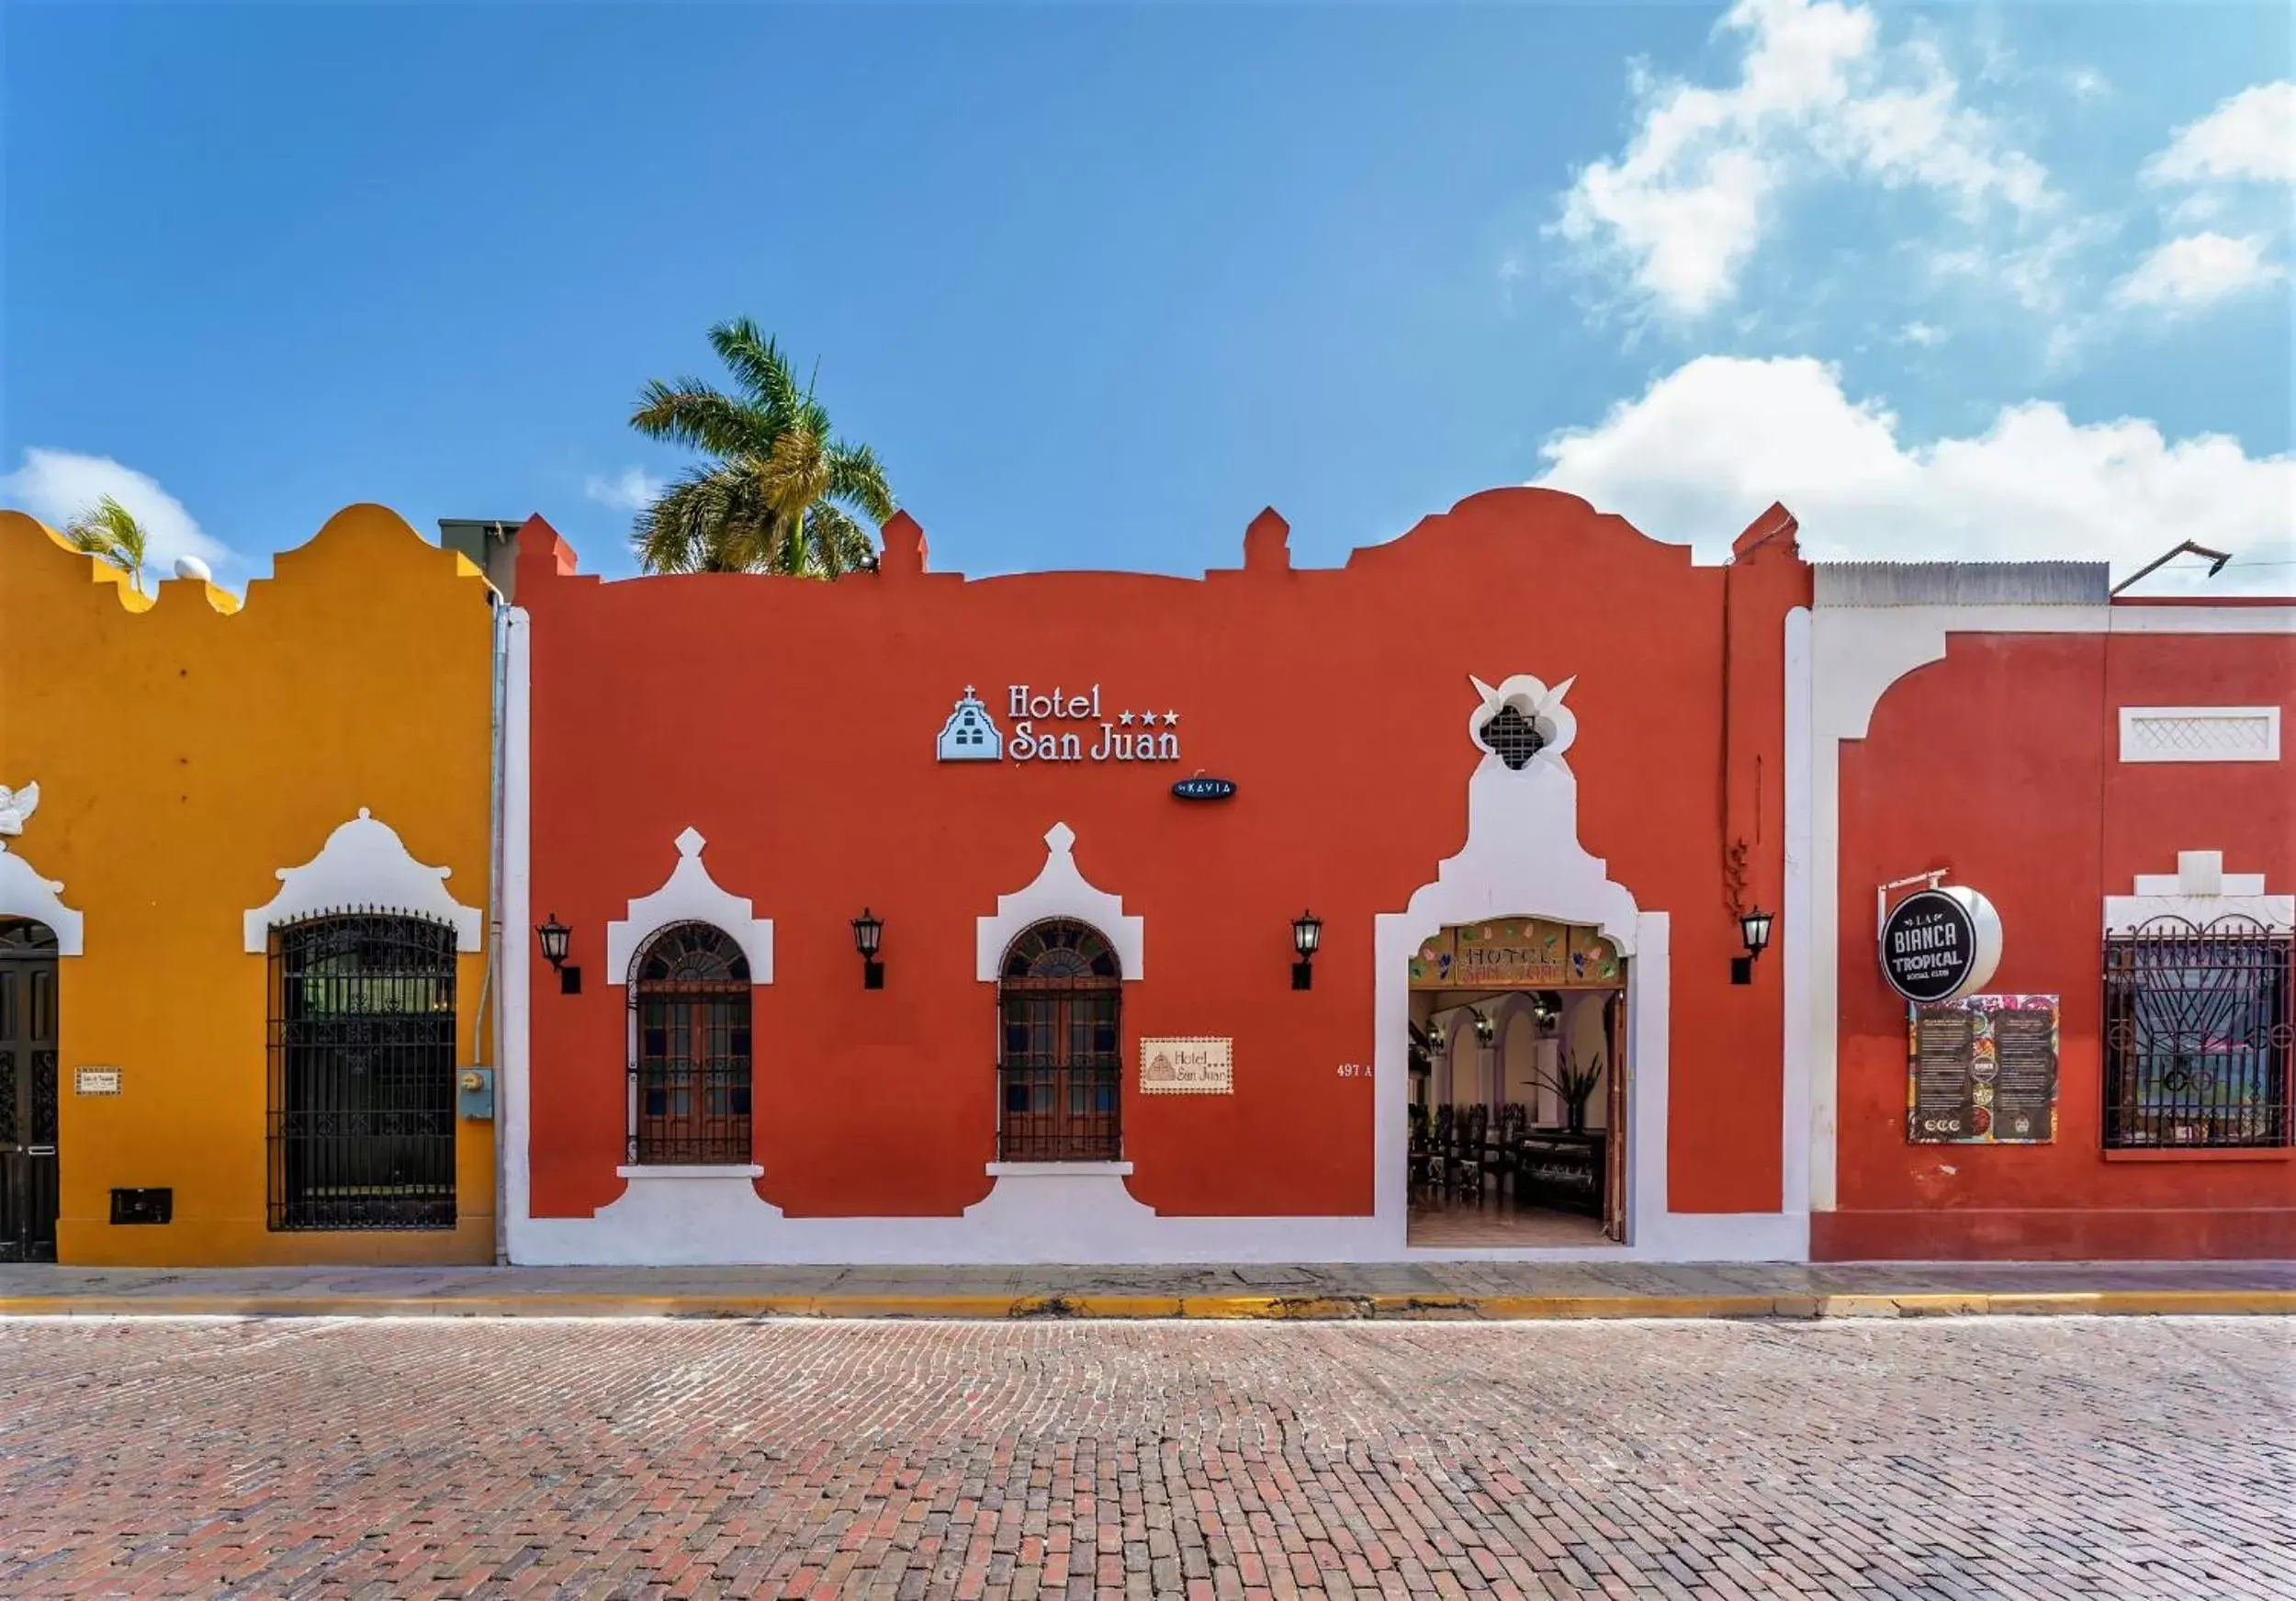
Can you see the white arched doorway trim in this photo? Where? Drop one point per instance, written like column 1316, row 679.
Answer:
column 363, row 866
column 25, row 894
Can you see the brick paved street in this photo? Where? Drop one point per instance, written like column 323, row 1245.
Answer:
column 446, row 1457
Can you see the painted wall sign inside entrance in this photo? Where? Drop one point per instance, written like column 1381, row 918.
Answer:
column 972, row 733
column 1515, row 953
column 1939, row 943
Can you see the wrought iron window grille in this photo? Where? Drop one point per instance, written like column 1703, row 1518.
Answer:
column 2198, row 1035
column 689, row 1073
column 1060, row 1047
column 1513, row 738
column 362, row 1073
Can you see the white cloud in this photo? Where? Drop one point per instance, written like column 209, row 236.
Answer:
column 632, row 490
column 2252, row 135
column 2195, row 271
column 1687, row 204
column 57, row 486
column 1920, row 333
column 1712, row 444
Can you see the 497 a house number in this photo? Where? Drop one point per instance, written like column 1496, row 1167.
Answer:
column 1355, row 1069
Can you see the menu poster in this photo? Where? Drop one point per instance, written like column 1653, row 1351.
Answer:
column 1982, row 1070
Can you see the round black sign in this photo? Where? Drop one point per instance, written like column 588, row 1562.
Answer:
column 1929, row 945
column 1202, row 788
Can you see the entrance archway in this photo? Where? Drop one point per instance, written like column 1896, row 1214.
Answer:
column 29, row 1165
column 1517, row 1088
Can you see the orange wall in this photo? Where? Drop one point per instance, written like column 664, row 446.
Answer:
column 2001, row 761
column 184, row 756
column 792, row 723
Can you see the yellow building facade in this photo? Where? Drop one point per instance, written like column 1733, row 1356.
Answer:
column 245, row 987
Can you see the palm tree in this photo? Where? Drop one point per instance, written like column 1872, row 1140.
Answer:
column 110, row 532
column 780, row 491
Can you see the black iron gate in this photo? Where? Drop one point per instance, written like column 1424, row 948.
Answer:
column 363, row 1074
column 28, row 1091
column 2198, row 1035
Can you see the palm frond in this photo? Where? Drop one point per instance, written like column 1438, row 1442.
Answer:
column 758, row 362
column 691, row 412
column 110, row 532
column 835, row 544
column 855, row 475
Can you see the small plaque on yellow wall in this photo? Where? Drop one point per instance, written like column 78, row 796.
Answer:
column 95, row 1081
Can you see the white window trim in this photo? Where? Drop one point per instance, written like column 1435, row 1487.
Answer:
column 2133, row 751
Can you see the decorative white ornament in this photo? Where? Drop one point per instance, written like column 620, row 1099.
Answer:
column 192, row 567
column 689, row 896
column 1555, row 724
column 364, row 864
column 1059, row 890
column 16, row 806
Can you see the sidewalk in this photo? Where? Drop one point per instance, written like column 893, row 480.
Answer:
column 1489, row 1290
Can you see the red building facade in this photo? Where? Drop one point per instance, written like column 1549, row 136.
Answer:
column 1167, row 878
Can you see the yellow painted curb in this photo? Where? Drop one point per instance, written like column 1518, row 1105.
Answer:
column 1384, row 1307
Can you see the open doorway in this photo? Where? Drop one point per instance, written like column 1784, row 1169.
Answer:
column 1517, row 1108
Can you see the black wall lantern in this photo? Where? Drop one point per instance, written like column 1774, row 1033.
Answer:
column 1307, row 934
column 553, row 936
column 1485, row 1029
column 868, row 932
column 1753, row 927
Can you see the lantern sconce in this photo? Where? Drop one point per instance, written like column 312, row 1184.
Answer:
column 1753, row 928
column 868, row 930
column 1438, row 1038
column 1307, row 937
column 1485, row 1029
column 553, row 936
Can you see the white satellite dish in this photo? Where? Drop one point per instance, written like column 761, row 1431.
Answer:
column 192, row 567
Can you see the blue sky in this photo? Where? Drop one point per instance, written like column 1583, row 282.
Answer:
column 1100, row 282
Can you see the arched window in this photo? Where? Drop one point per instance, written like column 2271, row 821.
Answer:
column 1060, row 1046
column 362, row 1110
column 690, row 1077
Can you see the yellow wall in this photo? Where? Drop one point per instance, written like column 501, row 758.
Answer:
column 185, row 754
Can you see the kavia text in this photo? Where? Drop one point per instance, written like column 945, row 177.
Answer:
column 1118, row 739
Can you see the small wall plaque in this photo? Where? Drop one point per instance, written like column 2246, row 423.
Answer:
column 1202, row 788
column 1187, row 1066
column 95, row 1081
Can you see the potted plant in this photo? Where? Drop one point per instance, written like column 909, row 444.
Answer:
column 1574, row 1086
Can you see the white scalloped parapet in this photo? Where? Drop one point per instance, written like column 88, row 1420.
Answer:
column 363, row 866
column 689, row 896
column 1059, row 890
column 25, row 894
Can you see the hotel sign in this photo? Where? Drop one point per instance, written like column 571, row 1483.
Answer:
column 1187, row 1066
column 1055, row 725
column 1517, row 954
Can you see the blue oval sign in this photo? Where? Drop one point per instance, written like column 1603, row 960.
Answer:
column 1204, row 788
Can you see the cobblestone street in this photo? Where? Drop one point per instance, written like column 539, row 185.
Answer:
column 2035, row 1458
